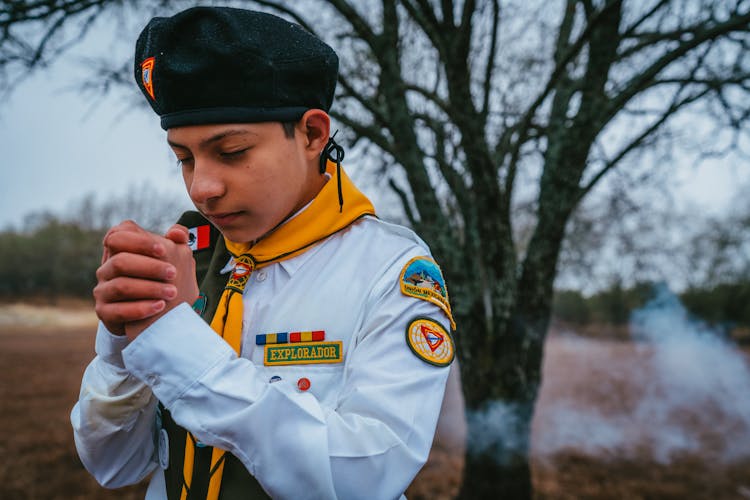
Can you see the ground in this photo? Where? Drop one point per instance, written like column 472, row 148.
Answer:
column 597, row 432
column 41, row 368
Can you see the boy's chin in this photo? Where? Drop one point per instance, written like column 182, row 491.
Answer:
column 240, row 235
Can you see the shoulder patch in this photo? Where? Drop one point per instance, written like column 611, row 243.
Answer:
column 422, row 278
column 199, row 237
column 430, row 342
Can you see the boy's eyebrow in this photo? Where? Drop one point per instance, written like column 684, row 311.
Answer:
column 221, row 135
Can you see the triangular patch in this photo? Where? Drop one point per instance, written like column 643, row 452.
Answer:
column 433, row 338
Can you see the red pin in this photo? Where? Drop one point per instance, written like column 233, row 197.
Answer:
column 303, row 384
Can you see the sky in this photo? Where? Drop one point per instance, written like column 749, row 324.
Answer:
column 57, row 145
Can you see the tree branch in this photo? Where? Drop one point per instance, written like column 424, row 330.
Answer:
column 452, row 177
column 357, row 22
column 490, row 65
column 638, row 140
column 447, row 8
column 368, row 103
column 283, row 9
column 26, row 12
column 434, row 98
column 647, row 76
column 468, row 12
column 404, row 202
column 629, row 31
column 521, row 129
column 371, row 132
column 425, row 18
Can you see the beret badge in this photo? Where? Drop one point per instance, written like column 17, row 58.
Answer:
column 147, row 76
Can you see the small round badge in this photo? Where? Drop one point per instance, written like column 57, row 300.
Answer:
column 430, row 342
column 163, row 449
column 303, row 384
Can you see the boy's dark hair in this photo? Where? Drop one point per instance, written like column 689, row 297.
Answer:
column 289, row 129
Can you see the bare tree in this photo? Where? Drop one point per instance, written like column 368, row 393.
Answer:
column 465, row 106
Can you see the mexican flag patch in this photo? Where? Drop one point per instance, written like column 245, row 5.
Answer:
column 199, row 237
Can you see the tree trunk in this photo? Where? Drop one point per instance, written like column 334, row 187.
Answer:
column 500, row 342
column 486, row 479
column 501, row 374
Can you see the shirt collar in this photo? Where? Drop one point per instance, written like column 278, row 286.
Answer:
column 289, row 265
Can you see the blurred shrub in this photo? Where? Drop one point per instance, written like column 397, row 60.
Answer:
column 571, row 306
column 56, row 256
column 612, row 305
column 727, row 304
column 53, row 259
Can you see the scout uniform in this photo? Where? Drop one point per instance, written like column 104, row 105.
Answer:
column 316, row 363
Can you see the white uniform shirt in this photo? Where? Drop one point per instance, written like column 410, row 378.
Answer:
column 362, row 430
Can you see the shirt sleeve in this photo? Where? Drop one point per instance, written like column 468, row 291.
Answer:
column 113, row 420
column 375, row 438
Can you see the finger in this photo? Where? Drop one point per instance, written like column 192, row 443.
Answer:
column 143, row 243
column 125, row 312
column 123, row 289
column 127, row 225
column 178, row 233
column 136, row 266
column 105, row 254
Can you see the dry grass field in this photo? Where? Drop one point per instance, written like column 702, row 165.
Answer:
column 609, row 423
column 41, row 371
column 616, row 420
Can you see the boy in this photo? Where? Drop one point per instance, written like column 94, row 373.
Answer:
column 316, row 363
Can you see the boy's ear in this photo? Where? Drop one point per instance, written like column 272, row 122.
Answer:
column 315, row 127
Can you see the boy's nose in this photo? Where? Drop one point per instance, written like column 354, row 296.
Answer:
column 205, row 184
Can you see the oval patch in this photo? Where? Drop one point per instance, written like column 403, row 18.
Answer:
column 430, row 341
column 422, row 278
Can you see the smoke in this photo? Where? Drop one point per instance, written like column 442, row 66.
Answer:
column 681, row 389
column 497, row 430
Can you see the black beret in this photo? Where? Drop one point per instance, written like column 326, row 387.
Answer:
column 223, row 65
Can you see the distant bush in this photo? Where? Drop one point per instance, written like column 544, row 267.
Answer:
column 612, row 305
column 726, row 304
column 56, row 256
column 571, row 306
column 53, row 259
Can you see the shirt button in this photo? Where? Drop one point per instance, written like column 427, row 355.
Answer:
column 261, row 276
column 151, row 379
column 303, row 384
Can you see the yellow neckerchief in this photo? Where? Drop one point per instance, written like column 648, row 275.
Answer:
column 320, row 219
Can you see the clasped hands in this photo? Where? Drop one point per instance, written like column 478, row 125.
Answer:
column 142, row 276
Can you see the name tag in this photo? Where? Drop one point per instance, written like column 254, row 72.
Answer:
column 309, row 353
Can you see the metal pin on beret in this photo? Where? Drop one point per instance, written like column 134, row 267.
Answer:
column 209, row 65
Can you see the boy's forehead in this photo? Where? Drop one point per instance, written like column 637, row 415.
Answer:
column 205, row 134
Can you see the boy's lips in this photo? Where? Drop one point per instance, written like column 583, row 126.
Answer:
column 222, row 218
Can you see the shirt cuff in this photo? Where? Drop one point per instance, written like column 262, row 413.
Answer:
column 109, row 346
column 175, row 352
